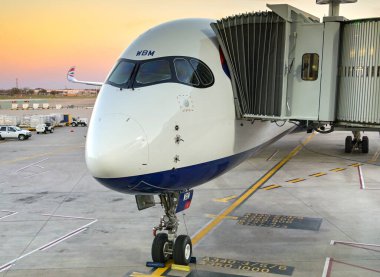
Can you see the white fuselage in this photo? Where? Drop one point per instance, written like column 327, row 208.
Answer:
column 170, row 126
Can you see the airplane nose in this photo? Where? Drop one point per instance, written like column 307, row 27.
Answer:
column 116, row 146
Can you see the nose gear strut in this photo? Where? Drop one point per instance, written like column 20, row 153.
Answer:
column 167, row 244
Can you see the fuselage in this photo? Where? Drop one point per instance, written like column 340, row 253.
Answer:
column 165, row 118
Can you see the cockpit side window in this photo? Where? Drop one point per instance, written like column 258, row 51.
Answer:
column 203, row 72
column 185, row 72
column 122, row 73
column 153, row 72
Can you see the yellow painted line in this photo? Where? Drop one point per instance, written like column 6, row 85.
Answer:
column 248, row 193
column 338, row 169
column 356, row 165
column 297, row 180
column 227, row 217
column 181, row 267
column 225, row 199
column 160, row 271
column 271, row 187
column 319, row 174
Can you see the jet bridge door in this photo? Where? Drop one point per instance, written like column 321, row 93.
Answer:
column 304, row 72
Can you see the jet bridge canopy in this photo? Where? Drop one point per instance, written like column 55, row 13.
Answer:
column 253, row 45
column 286, row 65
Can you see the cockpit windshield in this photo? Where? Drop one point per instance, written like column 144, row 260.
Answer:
column 122, row 73
column 153, row 72
column 183, row 70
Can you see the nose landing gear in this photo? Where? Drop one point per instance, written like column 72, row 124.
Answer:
column 356, row 143
column 167, row 245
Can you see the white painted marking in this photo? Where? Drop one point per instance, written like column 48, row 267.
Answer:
column 38, row 173
column 8, row 215
column 5, row 267
column 33, row 164
column 273, row 155
column 354, row 243
column 375, row 157
column 63, row 238
column 326, row 268
column 51, row 243
column 361, row 178
column 71, row 217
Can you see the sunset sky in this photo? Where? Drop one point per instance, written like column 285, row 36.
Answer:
column 41, row 39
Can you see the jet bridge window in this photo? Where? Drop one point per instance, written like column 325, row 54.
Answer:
column 310, row 67
column 153, row 72
column 122, row 73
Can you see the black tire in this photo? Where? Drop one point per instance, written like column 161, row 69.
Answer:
column 365, row 144
column 1, row 138
column 348, row 145
column 160, row 247
column 21, row 137
column 38, row 133
column 51, row 131
column 182, row 250
column 73, row 124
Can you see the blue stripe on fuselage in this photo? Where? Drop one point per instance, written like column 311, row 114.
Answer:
column 180, row 178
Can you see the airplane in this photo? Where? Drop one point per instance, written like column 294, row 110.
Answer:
column 164, row 122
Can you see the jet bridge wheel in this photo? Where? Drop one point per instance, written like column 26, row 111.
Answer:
column 348, row 145
column 365, row 144
column 182, row 250
column 161, row 248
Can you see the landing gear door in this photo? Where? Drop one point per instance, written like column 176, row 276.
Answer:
column 304, row 73
column 184, row 200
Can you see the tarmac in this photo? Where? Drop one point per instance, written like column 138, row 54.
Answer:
column 310, row 216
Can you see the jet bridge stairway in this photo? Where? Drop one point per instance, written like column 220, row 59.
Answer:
column 286, row 65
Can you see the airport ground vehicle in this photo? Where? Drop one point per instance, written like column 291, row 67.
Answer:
column 44, row 128
column 79, row 122
column 14, row 132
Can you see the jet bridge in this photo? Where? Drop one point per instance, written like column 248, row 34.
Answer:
column 287, row 65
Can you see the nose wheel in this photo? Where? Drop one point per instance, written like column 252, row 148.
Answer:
column 356, row 143
column 182, row 250
column 161, row 248
column 168, row 245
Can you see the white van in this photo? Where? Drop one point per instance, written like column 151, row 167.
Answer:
column 44, row 128
column 14, row 132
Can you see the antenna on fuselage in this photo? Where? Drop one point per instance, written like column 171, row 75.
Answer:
column 334, row 5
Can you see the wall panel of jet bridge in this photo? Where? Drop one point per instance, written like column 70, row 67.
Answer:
column 359, row 73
